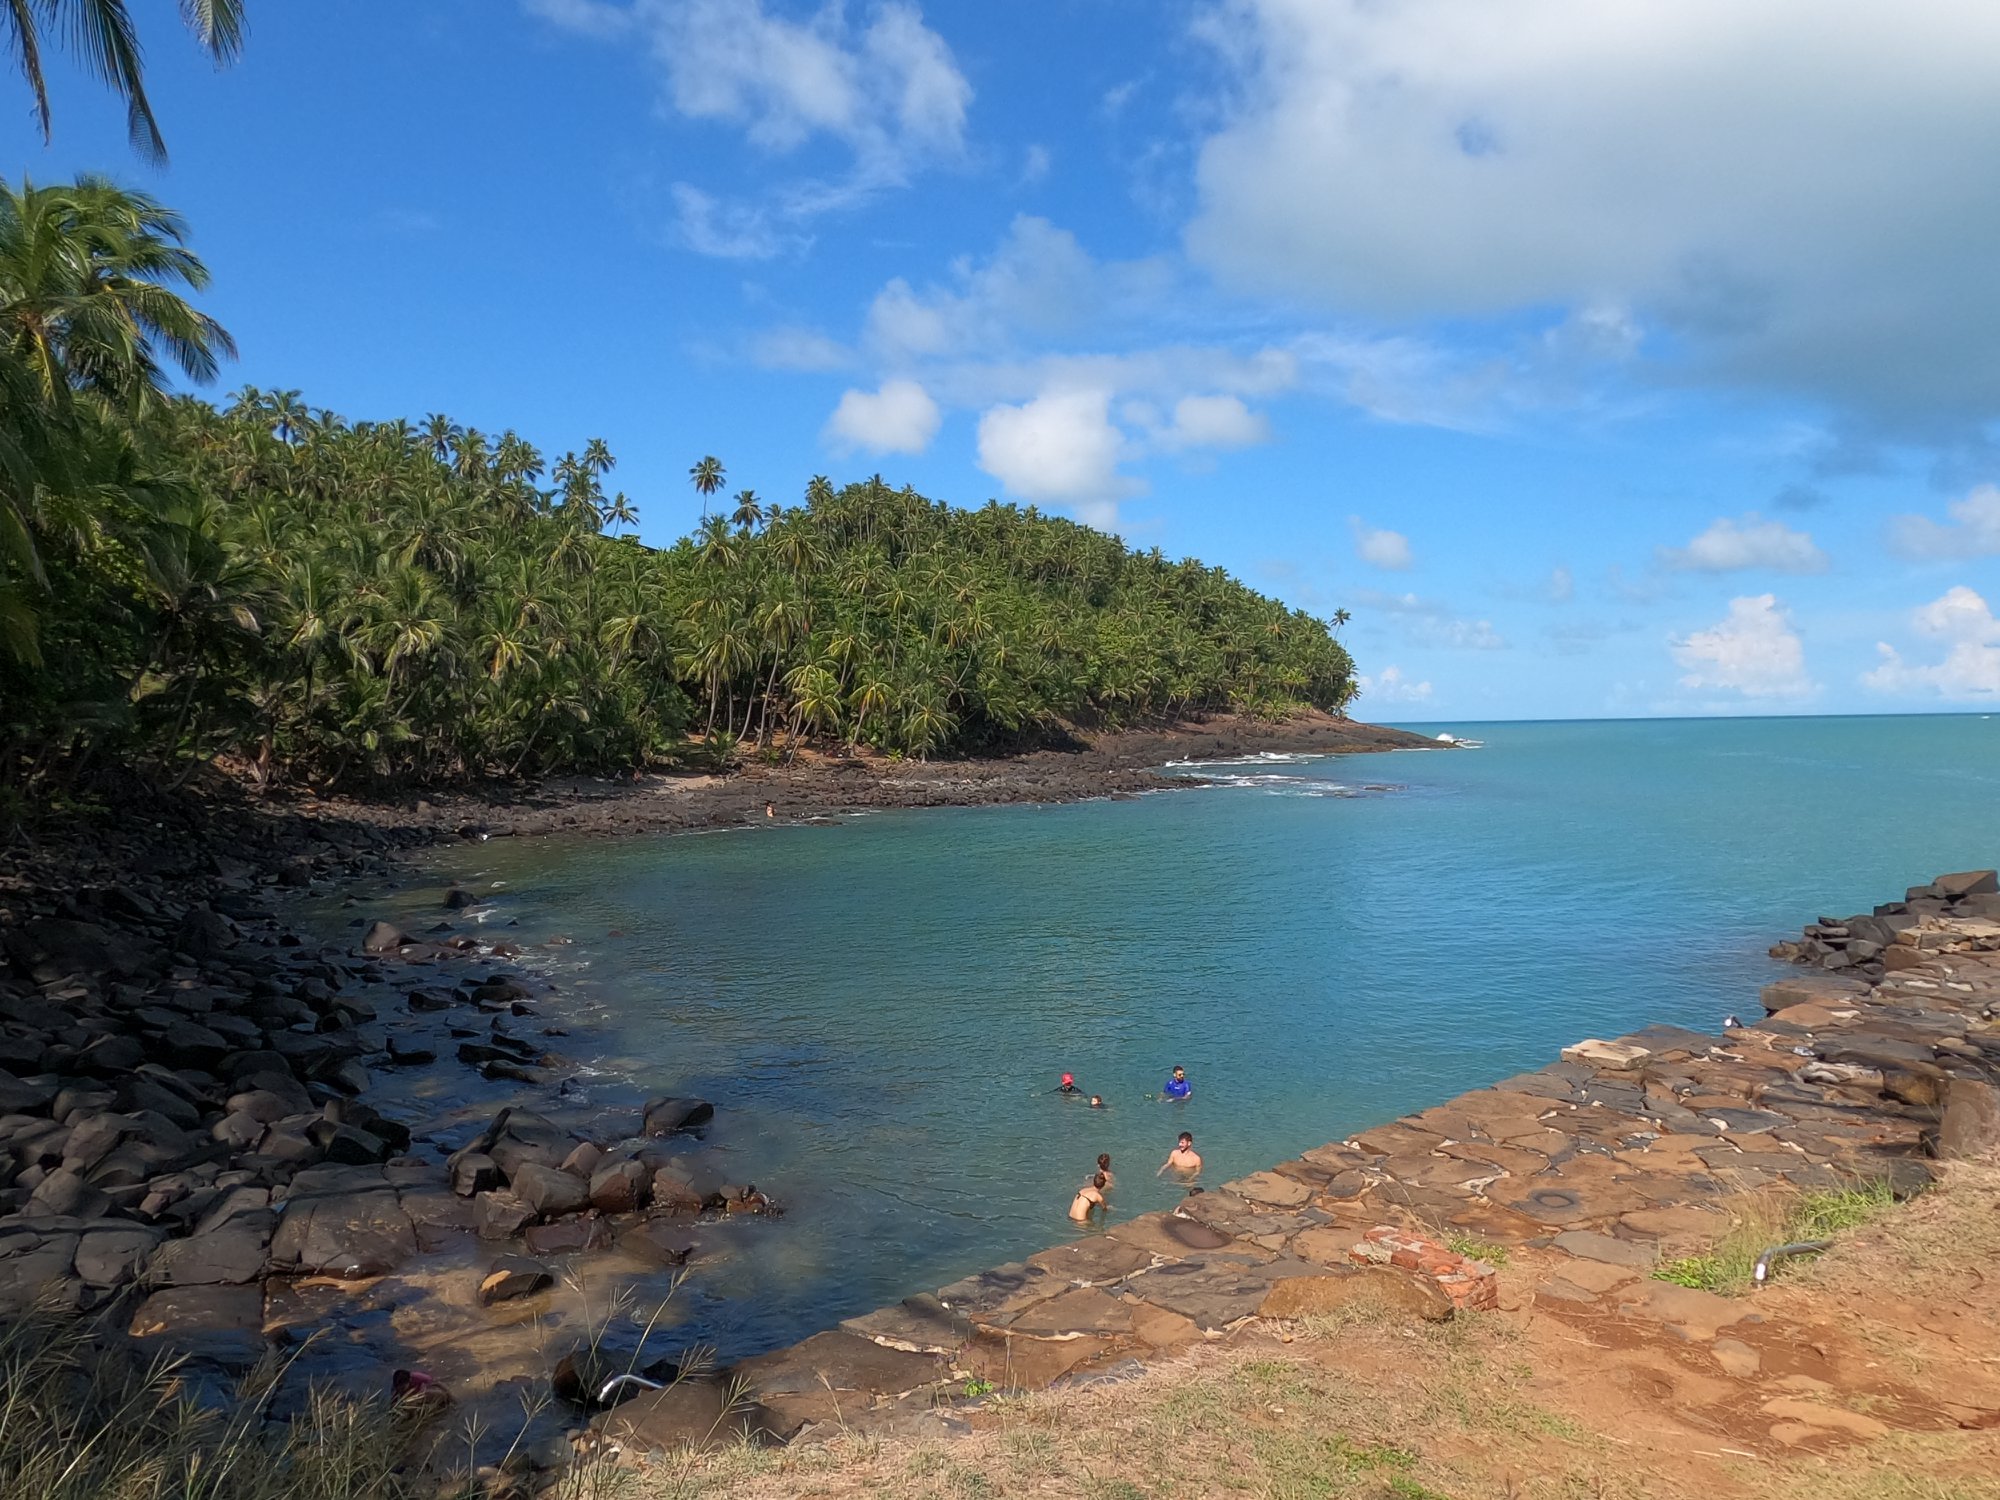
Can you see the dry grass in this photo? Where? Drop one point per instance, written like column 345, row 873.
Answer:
column 1761, row 1220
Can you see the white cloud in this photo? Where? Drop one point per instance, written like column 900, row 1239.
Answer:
column 883, row 85
column 1730, row 546
column 1740, row 175
column 898, row 418
column 1970, row 667
column 1973, row 531
column 728, row 231
column 1034, row 164
column 1380, row 549
column 1038, row 283
column 1061, row 447
column 1202, row 422
column 1561, row 585
column 1753, row 650
column 803, row 349
column 1390, row 685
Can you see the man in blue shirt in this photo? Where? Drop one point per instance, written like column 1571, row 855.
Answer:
column 1178, row 1086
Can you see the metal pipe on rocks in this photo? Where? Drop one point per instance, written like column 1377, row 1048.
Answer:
column 1761, row 1272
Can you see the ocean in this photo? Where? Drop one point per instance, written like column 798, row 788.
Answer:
column 880, row 1006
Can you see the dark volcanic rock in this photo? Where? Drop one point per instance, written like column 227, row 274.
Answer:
column 499, row 1215
column 549, row 1191
column 666, row 1115
column 620, row 1187
column 343, row 1221
column 383, row 938
column 511, row 1277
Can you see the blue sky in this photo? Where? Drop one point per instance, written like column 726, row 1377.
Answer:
column 1601, row 360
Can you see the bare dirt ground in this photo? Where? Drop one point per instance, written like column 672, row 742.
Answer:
column 1871, row 1375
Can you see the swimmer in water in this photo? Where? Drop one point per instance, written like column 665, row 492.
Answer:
column 1097, row 1101
column 1067, row 1088
column 1088, row 1198
column 1183, row 1158
column 1104, row 1170
column 1178, row 1086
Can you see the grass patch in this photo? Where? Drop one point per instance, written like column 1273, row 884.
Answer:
column 1769, row 1219
column 82, row 1418
column 1474, row 1248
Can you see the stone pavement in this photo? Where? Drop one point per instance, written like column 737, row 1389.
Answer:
column 1880, row 1056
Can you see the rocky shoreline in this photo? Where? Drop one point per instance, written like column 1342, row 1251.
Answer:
column 196, row 1139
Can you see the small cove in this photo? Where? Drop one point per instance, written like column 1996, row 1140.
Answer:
column 879, row 1005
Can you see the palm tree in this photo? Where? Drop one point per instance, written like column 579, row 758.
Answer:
column 819, row 491
column 1340, row 618
column 102, row 33
column 621, row 511
column 88, row 273
column 707, row 477
column 749, row 511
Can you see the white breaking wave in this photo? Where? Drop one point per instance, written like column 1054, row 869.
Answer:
column 1262, row 758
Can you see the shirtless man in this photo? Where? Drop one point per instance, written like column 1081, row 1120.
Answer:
column 1183, row 1158
column 1088, row 1198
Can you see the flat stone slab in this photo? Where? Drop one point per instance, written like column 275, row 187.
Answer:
column 921, row 1324
column 1586, row 1245
column 1094, row 1261
column 996, row 1293
column 1270, row 1187
column 1697, row 1314
column 694, row 1414
column 1078, row 1313
column 839, row 1362
column 1616, row 1055
column 1217, row 1291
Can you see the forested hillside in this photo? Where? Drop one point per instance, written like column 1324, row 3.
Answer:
column 352, row 602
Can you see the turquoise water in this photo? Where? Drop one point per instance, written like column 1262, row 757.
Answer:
column 879, row 1005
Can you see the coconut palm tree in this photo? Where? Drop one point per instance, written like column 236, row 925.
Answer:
column 88, row 292
column 707, row 477
column 749, row 511
column 103, row 36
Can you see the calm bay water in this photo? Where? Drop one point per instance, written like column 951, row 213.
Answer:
column 879, row 1006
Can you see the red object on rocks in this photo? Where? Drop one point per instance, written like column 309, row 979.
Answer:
column 1472, row 1285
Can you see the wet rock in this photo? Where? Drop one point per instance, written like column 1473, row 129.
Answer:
column 33, row 1261
column 235, row 1253
column 383, row 938
column 620, row 1187
column 49, row 948
column 659, row 1240
column 833, row 1375
column 583, row 1161
column 204, row 933
column 428, row 1000
column 474, row 1172
column 567, row 1236
column 458, row 898
column 692, row 1414
column 512, row 1277
column 673, row 1193
column 921, row 1324
column 665, row 1116
column 222, row 1323
column 343, row 1221
column 499, row 1215
column 114, row 1255
column 550, row 1192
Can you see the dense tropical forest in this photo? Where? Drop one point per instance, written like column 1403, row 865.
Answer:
column 343, row 602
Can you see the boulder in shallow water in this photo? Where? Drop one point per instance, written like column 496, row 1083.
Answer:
column 664, row 1116
column 620, row 1187
column 382, row 938
column 512, row 1277
column 549, row 1191
column 499, row 1215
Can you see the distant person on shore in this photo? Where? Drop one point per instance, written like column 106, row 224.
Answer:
column 1178, row 1086
column 1089, row 1198
column 1183, row 1158
column 1067, row 1088
column 1104, row 1171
